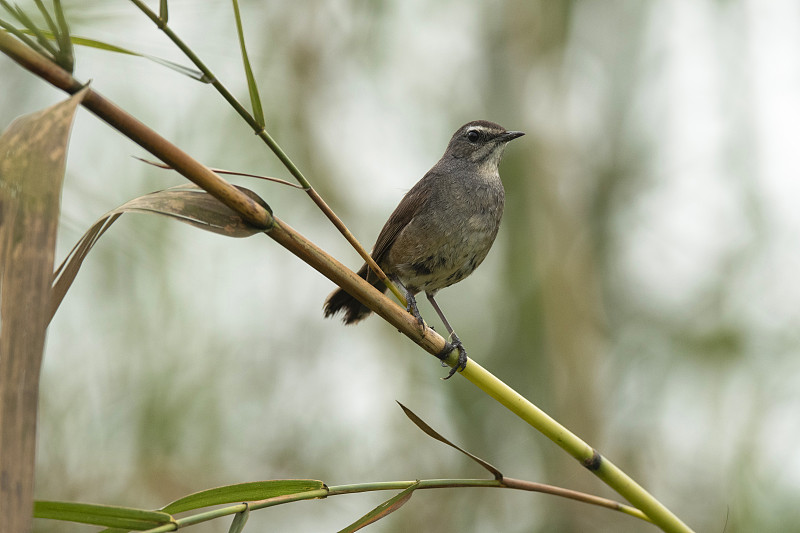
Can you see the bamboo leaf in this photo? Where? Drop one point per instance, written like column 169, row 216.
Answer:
column 26, row 21
column 242, row 492
column 66, row 51
column 383, row 510
column 47, row 18
column 101, row 515
column 33, row 153
column 61, row 53
column 20, row 34
column 185, row 203
column 192, row 205
column 255, row 99
column 433, row 433
column 180, row 69
column 100, row 45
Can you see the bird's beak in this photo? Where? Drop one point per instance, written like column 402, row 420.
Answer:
column 511, row 135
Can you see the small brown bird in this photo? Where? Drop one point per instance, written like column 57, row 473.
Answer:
column 442, row 229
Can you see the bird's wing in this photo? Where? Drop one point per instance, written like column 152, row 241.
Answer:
column 402, row 215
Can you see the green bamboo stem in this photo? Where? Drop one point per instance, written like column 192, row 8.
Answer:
column 623, row 484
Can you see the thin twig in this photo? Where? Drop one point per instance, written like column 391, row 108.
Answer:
column 339, row 490
column 225, row 172
column 274, row 146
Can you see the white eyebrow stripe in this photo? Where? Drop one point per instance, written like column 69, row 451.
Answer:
column 484, row 129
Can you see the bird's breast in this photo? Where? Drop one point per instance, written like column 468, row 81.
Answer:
column 445, row 242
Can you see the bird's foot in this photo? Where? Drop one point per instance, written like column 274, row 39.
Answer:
column 462, row 355
column 412, row 308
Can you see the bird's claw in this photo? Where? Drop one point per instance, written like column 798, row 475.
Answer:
column 462, row 356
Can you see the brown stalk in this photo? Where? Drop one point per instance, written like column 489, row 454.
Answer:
column 201, row 175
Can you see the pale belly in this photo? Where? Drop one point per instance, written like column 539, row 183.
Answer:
column 447, row 257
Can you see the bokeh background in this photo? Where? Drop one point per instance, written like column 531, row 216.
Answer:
column 643, row 289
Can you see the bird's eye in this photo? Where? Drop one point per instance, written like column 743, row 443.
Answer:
column 473, row 136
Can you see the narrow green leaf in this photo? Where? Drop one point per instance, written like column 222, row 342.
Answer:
column 181, row 69
column 101, row 515
column 47, row 18
column 383, row 510
column 92, row 43
column 20, row 34
column 242, row 492
column 239, row 520
column 87, row 42
column 255, row 99
column 26, row 21
column 67, row 59
column 433, row 433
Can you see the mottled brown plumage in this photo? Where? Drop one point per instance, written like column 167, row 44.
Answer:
column 443, row 227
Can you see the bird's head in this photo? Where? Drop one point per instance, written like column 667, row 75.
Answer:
column 480, row 142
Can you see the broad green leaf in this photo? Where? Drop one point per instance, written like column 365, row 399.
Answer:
column 383, row 510
column 101, row 515
column 242, row 492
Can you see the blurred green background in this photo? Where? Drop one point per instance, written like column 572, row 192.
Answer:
column 642, row 289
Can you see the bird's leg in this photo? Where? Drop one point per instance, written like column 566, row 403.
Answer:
column 411, row 302
column 450, row 346
column 412, row 308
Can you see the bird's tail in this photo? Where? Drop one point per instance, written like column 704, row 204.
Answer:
column 341, row 300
